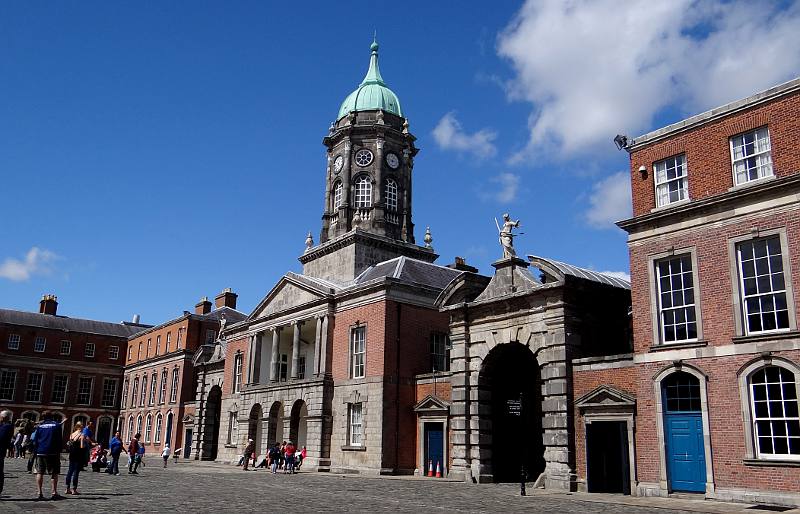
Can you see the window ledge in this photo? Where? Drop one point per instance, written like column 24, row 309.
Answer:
column 677, row 346
column 230, row 446
column 348, row 448
column 751, row 183
column 769, row 336
column 671, row 204
column 775, row 463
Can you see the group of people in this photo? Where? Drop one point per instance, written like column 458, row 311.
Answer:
column 284, row 456
column 45, row 445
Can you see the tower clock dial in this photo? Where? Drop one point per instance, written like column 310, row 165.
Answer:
column 392, row 160
column 338, row 163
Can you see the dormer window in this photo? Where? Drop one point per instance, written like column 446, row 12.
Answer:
column 671, row 180
column 751, row 156
column 363, row 192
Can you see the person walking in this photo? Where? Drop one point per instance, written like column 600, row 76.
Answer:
column 6, row 431
column 49, row 440
column 88, row 434
column 248, row 452
column 18, row 445
column 288, row 455
column 274, row 457
column 115, row 449
column 133, row 452
column 76, row 448
column 26, row 441
column 140, row 455
column 165, row 454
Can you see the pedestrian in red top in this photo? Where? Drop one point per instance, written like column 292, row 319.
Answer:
column 288, row 455
column 133, row 450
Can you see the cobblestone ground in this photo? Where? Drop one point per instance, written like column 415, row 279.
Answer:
column 190, row 486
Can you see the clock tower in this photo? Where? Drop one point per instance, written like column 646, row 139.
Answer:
column 368, row 187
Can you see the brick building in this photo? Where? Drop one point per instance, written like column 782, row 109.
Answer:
column 159, row 385
column 68, row 365
column 707, row 401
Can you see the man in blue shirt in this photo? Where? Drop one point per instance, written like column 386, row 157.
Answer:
column 49, row 441
column 6, row 431
column 88, row 435
column 115, row 448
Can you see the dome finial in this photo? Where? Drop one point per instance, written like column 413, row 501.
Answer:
column 374, row 46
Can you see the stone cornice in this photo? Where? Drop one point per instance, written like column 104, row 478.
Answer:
column 376, row 241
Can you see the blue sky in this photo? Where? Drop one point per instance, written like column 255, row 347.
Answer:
column 155, row 152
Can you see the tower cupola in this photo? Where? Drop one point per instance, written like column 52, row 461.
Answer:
column 372, row 94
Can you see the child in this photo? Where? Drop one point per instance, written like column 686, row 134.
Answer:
column 140, row 455
column 165, row 454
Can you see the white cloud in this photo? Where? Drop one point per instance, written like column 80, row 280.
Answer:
column 595, row 68
column 610, row 201
column 450, row 135
column 502, row 188
column 36, row 261
column 617, row 274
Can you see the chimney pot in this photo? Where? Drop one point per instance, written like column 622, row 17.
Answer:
column 48, row 304
column 226, row 298
column 203, row 306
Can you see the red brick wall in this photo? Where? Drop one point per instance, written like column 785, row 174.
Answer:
column 716, row 290
column 242, row 344
column 53, row 340
column 373, row 316
column 707, row 150
column 443, row 390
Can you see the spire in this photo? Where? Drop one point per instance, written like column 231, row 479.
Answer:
column 373, row 75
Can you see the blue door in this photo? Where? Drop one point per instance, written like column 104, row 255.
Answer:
column 683, row 433
column 434, row 445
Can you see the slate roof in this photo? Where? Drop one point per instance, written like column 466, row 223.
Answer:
column 89, row 326
column 231, row 315
column 413, row 271
column 586, row 274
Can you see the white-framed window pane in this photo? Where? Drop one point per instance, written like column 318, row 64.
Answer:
column 138, row 425
column 148, row 428
column 8, row 384
column 143, row 396
column 363, row 192
column 237, row 372
column 60, row 383
column 162, row 393
column 159, row 422
column 33, row 391
column 169, row 342
column 751, row 155
column 88, row 351
column 124, row 398
column 358, row 345
column 440, row 354
column 762, row 285
column 356, row 424
column 84, row 390
column 391, row 195
column 337, row 195
column 671, row 180
column 130, row 429
column 109, row 398
column 676, row 299
column 173, row 395
column 113, row 352
column 153, row 385
column 283, row 367
column 776, row 422
column 39, row 344
column 13, row 341
column 66, row 347
column 135, row 391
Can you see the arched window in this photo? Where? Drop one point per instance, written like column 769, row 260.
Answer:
column 363, row 192
column 148, row 428
column 138, row 425
column 391, row 195
column 162, row 393
column 774, row 407
column 130, row 428
column 143, row 396
column 337, row 195
column 159, row 422
column 135, row 391
column 153, row 384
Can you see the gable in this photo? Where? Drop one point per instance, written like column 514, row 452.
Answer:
column 286, row 295
column 605, row 397
column 432, row 405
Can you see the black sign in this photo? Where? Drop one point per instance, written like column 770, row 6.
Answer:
column 514, row 407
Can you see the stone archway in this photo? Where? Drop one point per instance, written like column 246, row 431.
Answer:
column 275, row 432
column 254, row 427
column 212, row 419
column 298, row 428
column 510, row 414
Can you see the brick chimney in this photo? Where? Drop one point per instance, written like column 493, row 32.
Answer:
column 226, row 298
column 461, row 265
column 48, row 304
column 203, row 306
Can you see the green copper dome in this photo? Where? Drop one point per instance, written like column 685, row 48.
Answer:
column 373, row 93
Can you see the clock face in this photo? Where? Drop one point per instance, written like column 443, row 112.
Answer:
column 338, row 163
column 363, row 157
column 392, row 160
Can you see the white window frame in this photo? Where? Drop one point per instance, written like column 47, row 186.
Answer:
column 78, row 390
column 159, row 423
column 391, row 195
column 143, row 392
column 440, row 351
column 685, row 307
column 149, row 347
column 173, row 394
column 65, row 391
column 13, row 341
column 138, row 424
column 135, row 392
column 13, row 386
column 762, row 155
column 106, row 389
column 148, row 428
column 130, row 352
column 168, row 342
column 362, row 189
column 237, row 372
column 113, row 352
column 130, row 428
column 125, row 387
column 36, row 347
column 158, row 344
column 88, row 350
column 162, row 392
column 358, row 351
column 355, row 424
column 151, row 399
column 38, row 391
column 231, row 424
column 338, row 191
column 65, row 349
column 662, row 187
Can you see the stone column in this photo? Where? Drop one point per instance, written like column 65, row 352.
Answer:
column 317, row 336
column 295, row 348
column 323, row 346
column 274, row 364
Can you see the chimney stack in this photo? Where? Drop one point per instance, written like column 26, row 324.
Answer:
column 226, row 298
column 48, row 304
column 135, row 319
column 203, row 306
column 461, row 265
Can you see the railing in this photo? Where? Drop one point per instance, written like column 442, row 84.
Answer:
column 392, row 217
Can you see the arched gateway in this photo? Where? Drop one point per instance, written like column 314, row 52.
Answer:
column 212, row 418
column 510, row 412
column 298, row 425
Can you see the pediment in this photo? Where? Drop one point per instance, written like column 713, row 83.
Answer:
column 432, row 404
column 288, row 293
column 188, row 419
column 605, row 397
